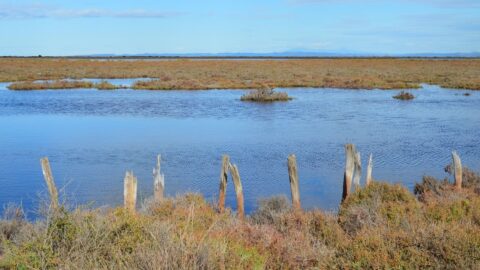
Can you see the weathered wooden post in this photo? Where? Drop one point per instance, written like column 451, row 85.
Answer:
column 293, row 175
column 369, row 171
column 457, row 170
column 349, row 168
column 158, row 181
column 358, row 170
column 52, row 189
column 130, row 192
column 238, row 190
column 223, row 183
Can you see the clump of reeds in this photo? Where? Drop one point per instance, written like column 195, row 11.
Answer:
column 106, row 85
column 47, row 85
column 404, row 96
column 265, row 95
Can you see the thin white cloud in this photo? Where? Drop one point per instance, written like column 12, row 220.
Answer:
column 436, row 3
column 35, row 11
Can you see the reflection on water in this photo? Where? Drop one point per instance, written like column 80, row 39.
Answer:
column 92, row 137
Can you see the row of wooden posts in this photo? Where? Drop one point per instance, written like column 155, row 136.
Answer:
column 353, row 171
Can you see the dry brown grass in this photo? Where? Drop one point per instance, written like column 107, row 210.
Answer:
column 56, row 84
column 382, row 226
column 62, row 84
column 251, row 74
column 105, row 85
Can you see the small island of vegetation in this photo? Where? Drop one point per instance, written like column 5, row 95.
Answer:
column 265, row 94
column 404, row 96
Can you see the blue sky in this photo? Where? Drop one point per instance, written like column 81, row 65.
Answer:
column 54, row 27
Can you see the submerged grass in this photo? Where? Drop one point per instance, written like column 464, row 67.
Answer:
column 382, row 226
column 382, row 73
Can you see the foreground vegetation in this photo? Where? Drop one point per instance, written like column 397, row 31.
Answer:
column 382, row 226
column 252, row 74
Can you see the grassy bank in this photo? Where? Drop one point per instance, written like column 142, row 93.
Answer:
column 251, row 74
column 382, row 226
column 62, row 84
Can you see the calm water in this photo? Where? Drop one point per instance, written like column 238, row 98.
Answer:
column 91, row 137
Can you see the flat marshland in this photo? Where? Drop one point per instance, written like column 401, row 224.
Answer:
column 92, row 136
column 382, row 73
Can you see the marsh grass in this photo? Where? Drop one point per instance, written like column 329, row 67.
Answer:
column 106, row 85
column 378, row 227
column 62, row 84
column 51, row 85
column 249, row 74
column 265, row 95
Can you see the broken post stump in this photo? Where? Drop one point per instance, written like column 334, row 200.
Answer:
column 238, row 190
column 457, row 170
column 130, row 192
column 52, row 189
column 349, row 168
column 368, row 180
column 223, row 183
column 293, row 176
column 158, row 181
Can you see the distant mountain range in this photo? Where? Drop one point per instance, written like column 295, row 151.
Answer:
column 286, row 54
column 291, row 54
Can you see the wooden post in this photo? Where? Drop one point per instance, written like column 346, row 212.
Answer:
column 130, row 192
column 369, row 171
column 52, row 189
column 457, row 170
column 223, row 183
column 158, row 181
column 358, row 170
column 349, row 168
column 293, row 175
column 238, row 190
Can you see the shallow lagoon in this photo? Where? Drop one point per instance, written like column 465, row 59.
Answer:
column 91, row 137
